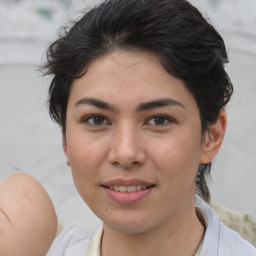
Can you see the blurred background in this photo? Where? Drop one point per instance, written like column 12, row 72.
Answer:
column 31, row 142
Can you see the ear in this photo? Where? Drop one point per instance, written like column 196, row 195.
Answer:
column 213, row 138
column 65, row 147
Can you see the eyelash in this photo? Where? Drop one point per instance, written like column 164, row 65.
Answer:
column 87, row 119
column 104, row 121
column 167, row 120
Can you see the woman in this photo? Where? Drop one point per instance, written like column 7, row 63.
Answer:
column 139, row 90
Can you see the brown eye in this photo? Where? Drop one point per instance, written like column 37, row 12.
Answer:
column 95, row 120
column 159, row 120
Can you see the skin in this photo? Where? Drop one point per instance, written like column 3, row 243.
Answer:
column 28, row 222
column 161, row 144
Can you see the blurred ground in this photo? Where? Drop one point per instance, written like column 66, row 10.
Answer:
column 30, row 142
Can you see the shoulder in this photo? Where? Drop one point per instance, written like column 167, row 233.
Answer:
column 231, row 243
column 72, row 241
column 242, row 223
column 219, row 239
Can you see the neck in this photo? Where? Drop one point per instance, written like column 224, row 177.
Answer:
column 181, row 235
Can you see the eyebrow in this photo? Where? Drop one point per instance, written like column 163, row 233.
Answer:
column 141, row 107
column 95, row 102
column 159, row 103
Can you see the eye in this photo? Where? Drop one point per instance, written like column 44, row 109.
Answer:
column 95, row 120
column 159, row 120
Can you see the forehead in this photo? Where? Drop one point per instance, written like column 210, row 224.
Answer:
column 120, row 63
column 128, row 76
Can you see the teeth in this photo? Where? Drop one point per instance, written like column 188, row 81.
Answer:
column 128, row 189
column 122, row 188
column 138, row 187
column 131, row 189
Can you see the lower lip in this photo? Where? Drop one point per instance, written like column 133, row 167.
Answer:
column 127, row 198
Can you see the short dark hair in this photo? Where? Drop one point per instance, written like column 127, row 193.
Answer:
column 187, row 46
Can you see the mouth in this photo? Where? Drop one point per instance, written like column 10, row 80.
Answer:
column 128, row 189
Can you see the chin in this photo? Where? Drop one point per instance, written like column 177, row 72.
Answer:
column 128, row 228
column 129, row 224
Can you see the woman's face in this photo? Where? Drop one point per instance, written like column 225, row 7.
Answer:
column 134, row 142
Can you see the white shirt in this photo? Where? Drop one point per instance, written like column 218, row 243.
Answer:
column 218, row 239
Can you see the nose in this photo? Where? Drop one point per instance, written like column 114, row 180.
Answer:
column 126, row 148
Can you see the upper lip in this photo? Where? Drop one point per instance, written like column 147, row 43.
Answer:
column 129, row 182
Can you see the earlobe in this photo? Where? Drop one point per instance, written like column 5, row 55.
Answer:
column 213, row 138
column 65, row 147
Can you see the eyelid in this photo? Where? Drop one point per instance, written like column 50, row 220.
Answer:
column 85, row 121
column 168, row 118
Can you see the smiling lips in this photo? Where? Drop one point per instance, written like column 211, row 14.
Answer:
column 127, row 192
column 127, row 189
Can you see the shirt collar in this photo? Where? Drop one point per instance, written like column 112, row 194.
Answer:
column 95, row 243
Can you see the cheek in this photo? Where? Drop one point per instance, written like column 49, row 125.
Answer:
column 86, row 155
column 177, row 155
column 84, row 162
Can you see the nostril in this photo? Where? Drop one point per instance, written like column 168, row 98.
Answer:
column 115, row 163
column 126, row 157
column 136, row 163
column 127, row 164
